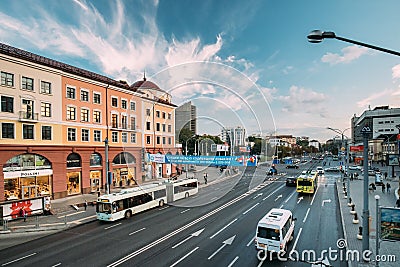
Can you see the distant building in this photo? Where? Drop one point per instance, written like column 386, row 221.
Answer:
column 235, row 137
column 185, row 117
column 314, row 143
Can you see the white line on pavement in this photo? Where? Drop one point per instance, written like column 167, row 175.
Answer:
column 24, row 257
column 181, row 259
column 185, row 210
column 112, row 226
column 234, row 260
column 137, row 231
column 315, row 193
column 273, row 192
column 250, row 242
column 166, row 207
column 71, row 214
column 255, row 205
column 290, row 196
column 55, row 265
column 297, row 239
column 226, row 226
column 305, row 217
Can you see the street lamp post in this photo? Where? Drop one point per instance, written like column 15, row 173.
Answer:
column 377, row 233
column 317, row 36
column 344, row 145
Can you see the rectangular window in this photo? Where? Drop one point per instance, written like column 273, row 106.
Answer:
column 164, row 140
column 71, row 133
column 45, row 87
column 169, row 140
column 148, row 140
column 46, row 132
column 7, row 104
column 97, row 116
column 133, row 137
column 114, row 137
column 114, row 121
column 96, row 98
column 148, row 112
column 85, row 135
column 169, row 116
column 124, row 137
column 27, row 83
column 114, row 102
column 163, row 127
column 158, row 114
column 7, row 79
column 27, row 131
column 124, row 104
column 133, row 106
column 163, row 115
column 71, row 113
column 71, row 92
column 158, row 140
column 124, row 122
column 45, row 109
column 169, row 128
column 7, row 130
column 157, row 126
column 133, row 123
column 84, row 95
column 148, row 128
column 84, row 115
column 97, row 135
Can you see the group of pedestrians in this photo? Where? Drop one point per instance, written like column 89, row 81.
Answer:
column 386, row 187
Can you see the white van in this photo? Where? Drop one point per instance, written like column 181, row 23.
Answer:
column 275, row 230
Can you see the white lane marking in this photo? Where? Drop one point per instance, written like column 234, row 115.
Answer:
column 255, row 205
column 24, row 257
column 55, row 265
column 315, row 193
column 273, row 192
column 297, row 239
column 305, row 217
column 290, row 196
column 181, row 259
column 233, row 262
column 250, row 242
column 281, row 206
column 166, row 207
column 71, row 214
column 229, row 241
column 112, row 226
column 223, row 228
column 80, row 220
column 189, row 237
column 137, row 231
column 214, row 198
column 185, row 211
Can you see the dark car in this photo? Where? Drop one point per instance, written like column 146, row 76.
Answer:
column 291, row 181
column 272, row 171
column 292, row 166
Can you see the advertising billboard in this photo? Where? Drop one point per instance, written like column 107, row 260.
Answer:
column 390, row 224
column 393, row 159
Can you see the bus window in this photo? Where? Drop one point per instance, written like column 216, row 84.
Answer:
column 268, row 233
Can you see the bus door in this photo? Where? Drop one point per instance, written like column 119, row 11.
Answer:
column 170, row 193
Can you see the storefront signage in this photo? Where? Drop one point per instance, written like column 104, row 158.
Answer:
column 206, row 160
column 356, row 148
column 390, row 224
column 28, row 173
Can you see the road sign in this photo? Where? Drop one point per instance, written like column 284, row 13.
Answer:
column 366, row 129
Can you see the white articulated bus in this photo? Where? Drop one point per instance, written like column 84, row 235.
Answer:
column 274, row 231
column 127, row 202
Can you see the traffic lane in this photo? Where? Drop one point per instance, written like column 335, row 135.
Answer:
column 215, row 228
column 115, row 233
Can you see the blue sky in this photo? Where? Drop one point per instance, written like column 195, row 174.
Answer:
column 244, row 63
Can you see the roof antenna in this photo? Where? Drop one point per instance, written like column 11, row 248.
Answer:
column 144, row 75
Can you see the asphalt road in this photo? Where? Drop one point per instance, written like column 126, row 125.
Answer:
column 214, row 228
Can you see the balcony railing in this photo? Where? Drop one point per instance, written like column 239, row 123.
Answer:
column 28, row 116
column 124, row 126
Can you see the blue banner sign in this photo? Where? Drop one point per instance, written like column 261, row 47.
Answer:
column 205, row 160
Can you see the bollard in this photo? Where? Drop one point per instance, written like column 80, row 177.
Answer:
column 65, row 219
column 353, row 211
column 350, row 203
column 345, row 195
column 355, row 220
column 37, row 222
column 359, row 235
column 5, row 225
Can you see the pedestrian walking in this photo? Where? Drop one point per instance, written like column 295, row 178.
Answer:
column 398, row 203
column 85, row 204
column 383, row 188
column 22, row 213
column 385, row 175
column 205, row 178
column 388, row 186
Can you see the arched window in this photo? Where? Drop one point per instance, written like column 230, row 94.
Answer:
column 73, row 160
column 124, row 158
column 25, row 162
column 95, row 160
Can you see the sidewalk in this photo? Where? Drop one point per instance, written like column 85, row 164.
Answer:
column 351, row 229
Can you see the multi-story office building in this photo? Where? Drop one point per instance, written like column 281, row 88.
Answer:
column 54, row 121
column 235, row 137
column 185, row 118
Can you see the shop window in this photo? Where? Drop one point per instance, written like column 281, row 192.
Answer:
column 73, row 160
column 124, row 158
column 73, row 183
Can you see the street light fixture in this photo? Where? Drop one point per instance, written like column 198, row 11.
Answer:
column 317, row 36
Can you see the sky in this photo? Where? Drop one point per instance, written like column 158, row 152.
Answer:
column 241, row 63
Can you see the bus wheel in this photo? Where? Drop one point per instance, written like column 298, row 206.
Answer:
column 186, row 195
column 161, row 203
column 128, row 214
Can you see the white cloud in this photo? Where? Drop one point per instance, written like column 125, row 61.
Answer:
column 396, row 72
column 389, row 97
column 349, row 54
column 301, row 100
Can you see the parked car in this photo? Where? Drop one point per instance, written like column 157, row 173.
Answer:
column 332, row 169
column 291, row 181
column 320, row 170
column 371, row 172
column 355, row 168
column 292, row 166
column 272, row 171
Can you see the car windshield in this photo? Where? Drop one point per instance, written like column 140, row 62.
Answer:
column 268, row 233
